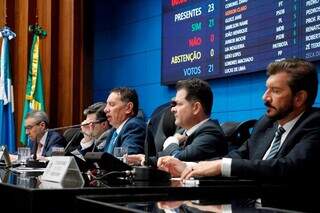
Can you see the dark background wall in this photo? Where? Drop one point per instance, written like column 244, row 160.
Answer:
column 127, row 52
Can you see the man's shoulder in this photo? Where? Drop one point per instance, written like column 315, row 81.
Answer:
column 210, row 127
column 53, row 135
column 135, row 121
column 310, row 117
column 313, row 112
column 210, row 124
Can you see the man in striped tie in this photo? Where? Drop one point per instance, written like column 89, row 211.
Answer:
column 285, row 143
column 284, row 147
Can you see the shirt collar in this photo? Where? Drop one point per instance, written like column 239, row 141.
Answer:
column 195, row 127
column 44, row 138
column 289, row 125
column 121, row 126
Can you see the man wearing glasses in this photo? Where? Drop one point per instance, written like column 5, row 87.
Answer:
column 36, row 125
column 95, row 128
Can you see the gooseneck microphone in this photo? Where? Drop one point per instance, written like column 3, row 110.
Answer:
column 71, row 141
column 148, row 172
column 35, row 149
column 150, row 126
column 74, row 126
column 34, row 162
column 146, row 145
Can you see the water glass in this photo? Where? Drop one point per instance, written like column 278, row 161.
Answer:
column 121, row 153
column 24, row 153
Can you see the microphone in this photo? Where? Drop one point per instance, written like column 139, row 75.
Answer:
column 148, row 172
column 71, row 141
column 146, row 145
column 75, row 126
column 34, row 162
column 77, row 134
column 150, row 125
column 35, row 149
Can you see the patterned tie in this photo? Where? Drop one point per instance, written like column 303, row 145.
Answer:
column 112, row 143
column 276, row 143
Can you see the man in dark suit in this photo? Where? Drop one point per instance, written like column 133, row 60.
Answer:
column 201, row 138
column 36, row 124
column 128, row 130
column 95, row 128
column 285, row 143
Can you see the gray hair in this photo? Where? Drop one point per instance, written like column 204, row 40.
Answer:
column 39, row 116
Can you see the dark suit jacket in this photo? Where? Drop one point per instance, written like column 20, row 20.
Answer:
column 54, row 139
column 204, row 143
column 131, row 136
column 298, row 156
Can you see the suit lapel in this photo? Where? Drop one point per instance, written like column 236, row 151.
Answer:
column 195, row 133
column 45, row 145
column 266, row 141
column 290, row 137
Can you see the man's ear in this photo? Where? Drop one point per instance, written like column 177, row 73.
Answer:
column 43, row 125
column 129, row 108
column 197, row 107
column 300, row 98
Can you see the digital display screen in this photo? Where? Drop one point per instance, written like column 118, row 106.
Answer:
column 217, row 38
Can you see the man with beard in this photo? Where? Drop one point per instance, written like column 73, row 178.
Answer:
column 285, row 143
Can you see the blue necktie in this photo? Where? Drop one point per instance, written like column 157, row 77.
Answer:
column 112, row 143
column 276, row 143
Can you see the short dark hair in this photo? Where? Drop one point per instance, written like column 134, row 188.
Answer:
column 39, row 116
column 98, row 109
column 303, row 76
column 197, row 90
column 128, row 95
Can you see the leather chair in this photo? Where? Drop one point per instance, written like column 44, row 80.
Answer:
column 73, row 137
column 237, row 133
column 162, row 125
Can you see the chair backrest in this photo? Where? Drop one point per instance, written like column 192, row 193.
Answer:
column 162, row 125
column 141, row 115
column 237, row 133
column 73, row 137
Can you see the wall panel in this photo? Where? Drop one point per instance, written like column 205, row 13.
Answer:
column 65, row 55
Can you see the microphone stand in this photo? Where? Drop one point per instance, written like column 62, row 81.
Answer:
column 75, row 135
column 71, row 142
column 34, row 162
column 147, row 172
column 73, row 126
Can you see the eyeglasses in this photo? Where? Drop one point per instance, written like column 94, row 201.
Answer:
column 29, row 127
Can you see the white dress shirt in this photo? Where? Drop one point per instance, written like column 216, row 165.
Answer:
column 41, row 144
column 226, row 162
column 174, row 140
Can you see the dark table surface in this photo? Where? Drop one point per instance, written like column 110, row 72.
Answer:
column 26, row 191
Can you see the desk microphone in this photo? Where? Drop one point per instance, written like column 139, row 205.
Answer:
column 147, row 172
column 75, row 126
column 71, row 141
column 34, row 162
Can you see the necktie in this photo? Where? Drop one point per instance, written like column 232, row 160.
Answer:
column 276, row 143
column 39, row 150
column 184, row 142
column 112, row 143
column 185, row 133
